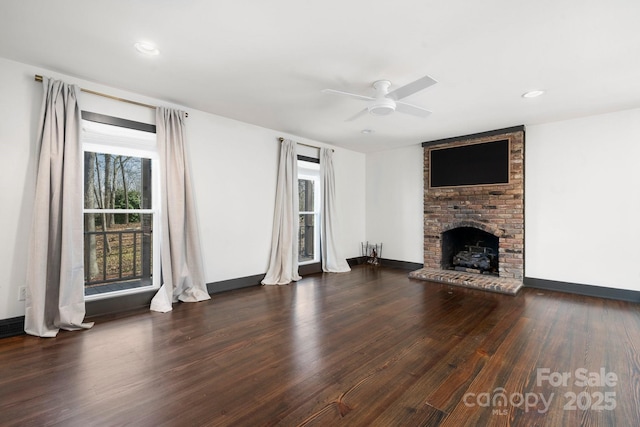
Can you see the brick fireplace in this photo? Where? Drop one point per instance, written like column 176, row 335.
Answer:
column 489, row 212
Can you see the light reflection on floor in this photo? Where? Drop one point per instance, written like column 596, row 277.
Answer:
column 307, row 326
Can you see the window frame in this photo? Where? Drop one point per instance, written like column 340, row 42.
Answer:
column 123, row 144
column 309, row 169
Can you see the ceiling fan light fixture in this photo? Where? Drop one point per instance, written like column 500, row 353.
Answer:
column 382, row 107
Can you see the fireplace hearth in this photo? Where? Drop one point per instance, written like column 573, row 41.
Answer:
column 474, row 234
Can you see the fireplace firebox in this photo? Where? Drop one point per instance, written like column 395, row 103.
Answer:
column 471, row 250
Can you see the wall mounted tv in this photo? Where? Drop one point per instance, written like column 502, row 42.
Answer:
column 482, row 163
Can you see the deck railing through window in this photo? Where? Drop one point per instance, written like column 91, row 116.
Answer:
column 117, row 255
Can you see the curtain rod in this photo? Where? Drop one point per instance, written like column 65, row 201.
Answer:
column 38, row 78
column 306, row 145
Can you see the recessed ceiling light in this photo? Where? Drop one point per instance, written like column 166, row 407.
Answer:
column 147, row 48
column 532, row 94
column 367, row 131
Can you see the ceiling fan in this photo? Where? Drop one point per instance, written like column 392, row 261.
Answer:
column 386, row 102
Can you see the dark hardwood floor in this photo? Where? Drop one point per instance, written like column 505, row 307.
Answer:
column 369, row 348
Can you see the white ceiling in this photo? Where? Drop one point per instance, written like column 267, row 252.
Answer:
column 266, row 62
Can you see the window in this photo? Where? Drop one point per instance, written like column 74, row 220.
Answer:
column 121, row 210
column 309, row 207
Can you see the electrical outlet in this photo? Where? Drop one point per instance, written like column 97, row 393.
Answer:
column 22, row 293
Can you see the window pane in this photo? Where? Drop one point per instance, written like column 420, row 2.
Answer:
column 306, row 238
column 116, row 182
column 117, row 248
column 305, row 192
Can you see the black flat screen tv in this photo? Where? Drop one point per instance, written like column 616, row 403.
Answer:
column 482, row 163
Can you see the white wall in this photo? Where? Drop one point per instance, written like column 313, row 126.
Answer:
column 234, row 169
column 17, row 180
column 395, row 202
column 582, row 200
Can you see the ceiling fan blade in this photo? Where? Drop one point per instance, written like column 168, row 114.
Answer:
column 412, row 109
column 411, row 88
column 352, row 95
column 360, row 114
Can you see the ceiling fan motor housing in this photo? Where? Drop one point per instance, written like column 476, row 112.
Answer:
column 382, row 105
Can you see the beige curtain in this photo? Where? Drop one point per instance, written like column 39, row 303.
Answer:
column 182, row 271
column 55, row 274
column 283, row 263
column 332, row 260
